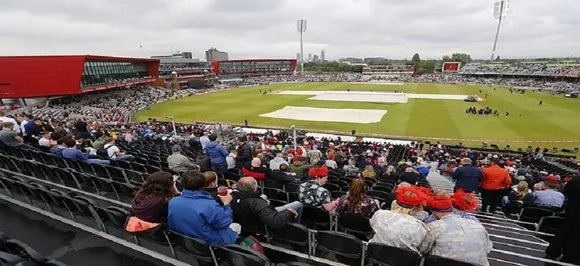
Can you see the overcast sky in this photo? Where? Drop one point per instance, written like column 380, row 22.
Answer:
column 267, row 28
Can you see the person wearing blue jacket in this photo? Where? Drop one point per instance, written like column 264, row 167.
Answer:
column 72, row 153
column 467, row 177
column 197, row 214
column 217, row 155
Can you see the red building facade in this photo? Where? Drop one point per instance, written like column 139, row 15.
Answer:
column 253, row 68
column 42, row 76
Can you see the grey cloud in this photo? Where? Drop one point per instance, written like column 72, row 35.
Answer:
column 258, row 28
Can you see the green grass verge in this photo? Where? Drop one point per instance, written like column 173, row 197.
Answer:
column 557, row 120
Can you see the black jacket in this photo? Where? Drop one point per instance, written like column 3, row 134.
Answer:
column 282, row 177
column 567, row 239
column 244, row 155
column 252, row 212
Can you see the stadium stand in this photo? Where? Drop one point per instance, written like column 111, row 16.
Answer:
column 97, row 197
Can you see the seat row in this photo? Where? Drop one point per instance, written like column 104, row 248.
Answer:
column 14, row 252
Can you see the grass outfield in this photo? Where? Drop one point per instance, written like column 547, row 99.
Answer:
column 558, row 119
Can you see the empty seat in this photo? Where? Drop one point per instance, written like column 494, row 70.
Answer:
column 233, row 255
column 277, row 194
column 347, row 248
column 316, row 218
column 292, row 233
column 198, row 248
column 384, row 255
column 356, row 225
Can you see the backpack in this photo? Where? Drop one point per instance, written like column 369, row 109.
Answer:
column 252, row 243
column 104, row 152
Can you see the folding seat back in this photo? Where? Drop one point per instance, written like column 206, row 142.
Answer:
column 24, row 251
column 356, row 225
column 292, row 233
column 383, row 255
column 198, row 248
column 274, row 193
column 239, row 256
column 339, row 243
column 441, row 261
column 316, row 218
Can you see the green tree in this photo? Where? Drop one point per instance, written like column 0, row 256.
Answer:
column 425, row 67
column 447, row 58
column 497, row 58
column 416, row 58
column 461, row 57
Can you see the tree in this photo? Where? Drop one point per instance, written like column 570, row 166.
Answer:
column 416, row 58
column 461, row 57
column 497, row 58
column 424, row 67
column 447, row 58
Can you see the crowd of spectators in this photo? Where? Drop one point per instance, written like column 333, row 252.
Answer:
column 526, row 68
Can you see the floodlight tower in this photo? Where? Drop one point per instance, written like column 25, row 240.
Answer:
column 301, row 27
column 500, row 10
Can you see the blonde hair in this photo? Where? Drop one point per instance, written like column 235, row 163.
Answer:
column 369, row 172
column 523, row 189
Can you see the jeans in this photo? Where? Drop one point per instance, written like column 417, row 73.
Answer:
column 125, row 158
column 219, row 168
column 98, row 161
column 490, row 198
column 297, row 206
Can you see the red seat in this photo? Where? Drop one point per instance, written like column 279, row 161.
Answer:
column 255, row 175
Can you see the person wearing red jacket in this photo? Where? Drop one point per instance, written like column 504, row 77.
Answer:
column 495, row 180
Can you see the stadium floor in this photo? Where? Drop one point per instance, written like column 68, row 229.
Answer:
column 67, row 244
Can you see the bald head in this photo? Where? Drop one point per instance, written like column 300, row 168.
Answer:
column 280, row 155
column 247, row 184
column 404, row 184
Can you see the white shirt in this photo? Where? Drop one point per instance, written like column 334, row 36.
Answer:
column 331, row 164
column 112, row 152
column 15, row 126
column 24, row 122
column 43, row 142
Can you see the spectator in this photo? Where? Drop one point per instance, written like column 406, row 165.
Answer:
column 357, row 201
column 330, row 163
column 179, row 162
column 72, row 153
column 299, row 167
column 404, row 191
column 398, row 228
column 217, row 154
column 244, row 155
column 549, row 196
column 60, row 147
column 256, row 170
column 5, row 119
column 313, row 193
column 282, row 176
column 454, row 237
column 211, row 178
column 520, row 197
column 314, row 155
column 9, row 138
column 410, row 176
column 467, row 177
column 204, row 140
column 45, row 140
column 151, row 202
column 495, row 180
column 100, row 142
column 369, row 172
column 463, row 203
column 277, row 161
column 351, row 169
column 114, row 152
column 250, row 208
column 567, row 238
column 196, row 214
column 231, row 159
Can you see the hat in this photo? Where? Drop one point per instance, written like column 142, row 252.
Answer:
column 441, row 203
column 331, row 156
column 256, row 162
column 464, row 201
column 176, row 148
column 408, row 197
column 318, row 172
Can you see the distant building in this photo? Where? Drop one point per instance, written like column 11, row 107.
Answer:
column 234, row 69
column 298, row 57
column 178, row 72
column 214, row 54
column 187, row 55
column 374, row 60
column 352, row 60
column 309, row 58
column 184, row 55
column 322, row 55
column 315, row 58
